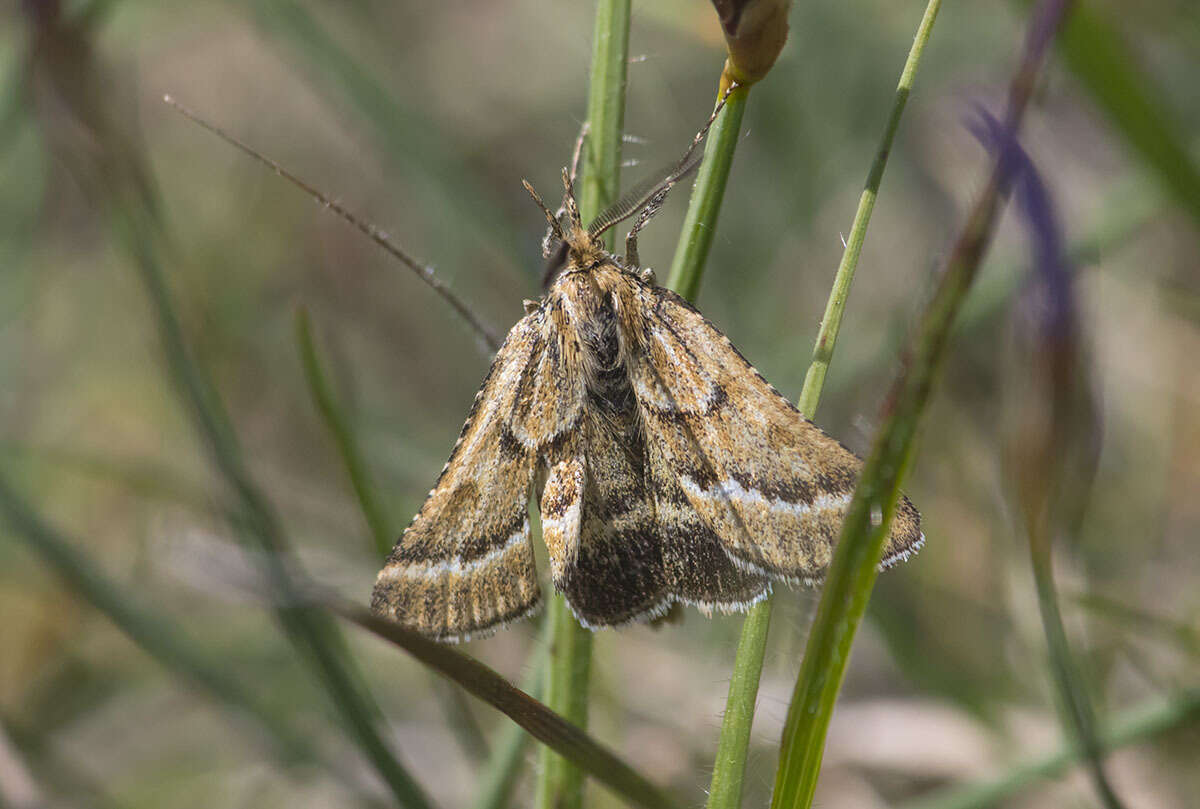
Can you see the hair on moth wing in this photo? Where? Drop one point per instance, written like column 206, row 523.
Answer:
column 667, row 470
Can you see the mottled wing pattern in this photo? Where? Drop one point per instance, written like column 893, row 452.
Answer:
column 465, row 564
column 772, row 486
column 606, row 555
column 615, row 572
column 696, row 566
column 624, row 541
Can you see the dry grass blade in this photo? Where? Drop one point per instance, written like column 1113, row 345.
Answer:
column 542, row 723
column 852, row 574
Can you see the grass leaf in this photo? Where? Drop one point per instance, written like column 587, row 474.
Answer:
column 859, row 550
column 729, row 770
column 548, row 727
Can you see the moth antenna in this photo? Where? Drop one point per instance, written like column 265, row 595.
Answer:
column 551, row 219
column 424, row 271
column 647, row 197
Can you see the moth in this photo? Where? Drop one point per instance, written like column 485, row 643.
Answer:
column 666, row 469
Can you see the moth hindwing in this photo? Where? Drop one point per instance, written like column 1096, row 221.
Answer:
column 666, row 469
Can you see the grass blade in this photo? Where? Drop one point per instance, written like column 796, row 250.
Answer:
column 120, row 186
column 500, row 775
column 458, row 715
column 158, row 637
column 1054, row 441
column 309, row 630
column 545, row 725
column 729, row 769
column 1094, row 50
column 700, row 222
column 860, row 547
column 339, row 428
column 831, row 321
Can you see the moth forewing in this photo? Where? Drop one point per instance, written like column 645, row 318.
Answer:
column 465, row 563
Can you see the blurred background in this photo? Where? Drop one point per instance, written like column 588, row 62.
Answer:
column 423, row 118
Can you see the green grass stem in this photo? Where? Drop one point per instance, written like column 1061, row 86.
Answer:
column 729, row 769
column 310, row 630
column 551, row 728
column 687, row 270
column 458, row 715
column 831, row 321
column 1075, row 706
column 500, row 775
column 336, row 421
column 852, row 573
column 118, row 182
column 560, row 784
column 700, row 222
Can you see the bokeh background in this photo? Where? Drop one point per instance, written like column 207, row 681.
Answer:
column 423, row 118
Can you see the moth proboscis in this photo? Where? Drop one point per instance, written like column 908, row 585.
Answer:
column 666, row 468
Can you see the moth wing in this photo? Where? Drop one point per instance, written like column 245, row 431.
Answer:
column 598, row 519
column 772, row 485
column 465, row 564
column 606, row 554
column 697, row 568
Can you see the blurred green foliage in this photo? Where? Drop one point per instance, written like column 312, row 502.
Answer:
column 424, row 118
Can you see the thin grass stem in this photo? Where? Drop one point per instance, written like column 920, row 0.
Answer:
column 544, row 724
column 500, row 775
column 452, row 702
column 700, row 221
column 343, row 437
column 729, row 769
column 310, row 630
column 831, row 321
column 560, row 784
column 1075, row 706
column 856, row 559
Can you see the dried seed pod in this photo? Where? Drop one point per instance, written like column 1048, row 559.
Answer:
column 755, row 32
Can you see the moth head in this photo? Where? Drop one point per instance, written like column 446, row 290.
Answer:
column 568, row 243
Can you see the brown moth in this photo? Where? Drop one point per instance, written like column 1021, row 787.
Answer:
column 666, row 468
